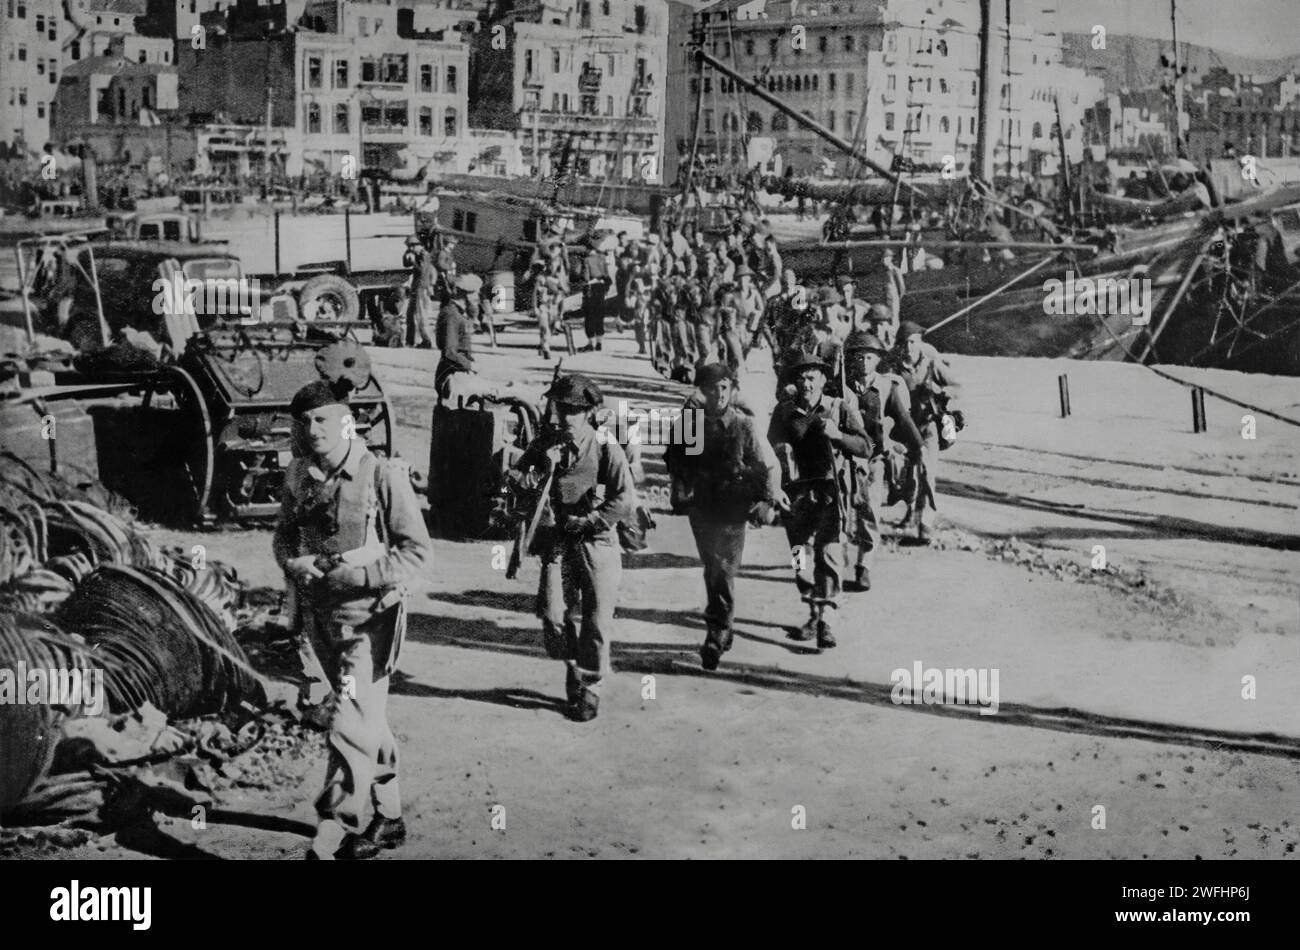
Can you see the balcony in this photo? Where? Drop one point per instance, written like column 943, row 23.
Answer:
column 589, row 80
column 643, row 85
column 532, row 81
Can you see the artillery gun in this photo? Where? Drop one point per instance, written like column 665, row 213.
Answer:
column 190, row 404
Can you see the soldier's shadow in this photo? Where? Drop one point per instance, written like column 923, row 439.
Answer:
column 513, row 697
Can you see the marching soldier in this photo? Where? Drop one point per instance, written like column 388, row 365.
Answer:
column 812, row 433
column 855, row 311
column 586, row 490
column 928, row 378
column 880, row 396
column 597, row 280
column 350, row 533
column 734, row 478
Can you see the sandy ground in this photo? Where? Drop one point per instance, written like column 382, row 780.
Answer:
column 1120, row 689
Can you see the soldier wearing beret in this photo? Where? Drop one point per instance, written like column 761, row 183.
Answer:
column 734, row 477
column 880, row 396
column 349, row 535
column 812, row 434
column 586, row 490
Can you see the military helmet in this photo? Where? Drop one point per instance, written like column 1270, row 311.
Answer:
column 577, row 391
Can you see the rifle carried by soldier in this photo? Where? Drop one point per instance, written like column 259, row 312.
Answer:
column 526, row 531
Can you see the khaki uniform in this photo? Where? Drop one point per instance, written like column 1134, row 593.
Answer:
column 364, row 515
column 816, row 485
column 580, row 572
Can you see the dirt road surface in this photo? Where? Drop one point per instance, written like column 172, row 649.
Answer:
column 1123, row 726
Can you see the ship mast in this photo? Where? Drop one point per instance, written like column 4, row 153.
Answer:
column 811, row 125
column 978, row 168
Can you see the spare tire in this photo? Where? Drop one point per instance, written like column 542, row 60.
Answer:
column 329, row 297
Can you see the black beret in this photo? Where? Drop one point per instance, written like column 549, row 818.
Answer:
column 314, row 395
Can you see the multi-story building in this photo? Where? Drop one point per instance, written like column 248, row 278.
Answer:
column 31, row 32
column 131, row 81
column 1255, row 116
column 894, row 77
column 360, row 85
column 576, row 78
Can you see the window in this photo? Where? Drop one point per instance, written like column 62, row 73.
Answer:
column 74, row 50
column 754, row 123
column 814, row 82
column 426, row 78
column 143, row 57
column 340, row 74
column 609, row 105
column 749, row 47
column 426, row 121
column 564, row 102
column 40, row 67
column 587, row 104
column 891, row 43
column 891, row 82
column 943, row 85
column 314, row 76
column 830, row 121
column 379, row 25
column 604, row 7
column 22, row 10
column 555, row 102
column 40, row 110
column 341, row 118
column 458, row 220
column 40, row 23
column 450, row 130
column 708, row 120
column 471, row 222
column 52, row 36
column 889, row 121
column 555, row 60
column 848, row 44
column 363, row 26
column 780, row 123
column 943, row 123
column 451, row 79
column 821, row 44
column 848, row 82
column 850, row 119
column 53, row 68
column 22, row 52
column 313, row 117
column 772, row 48
column 830, row 82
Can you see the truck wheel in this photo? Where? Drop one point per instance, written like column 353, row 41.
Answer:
column 83, row 334
column 329, row 297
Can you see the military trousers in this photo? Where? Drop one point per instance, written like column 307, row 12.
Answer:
column 923, row 496
column 361, row 768
column 721, row 544
column 815, row 530
column 867, row 504
column 576, row 599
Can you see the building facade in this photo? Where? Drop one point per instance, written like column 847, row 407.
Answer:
column 577, row 82
column 896, row 78
column 31, row 33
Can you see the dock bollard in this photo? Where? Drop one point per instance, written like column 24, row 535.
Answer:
column 1063, row 385
column 1198, row 409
